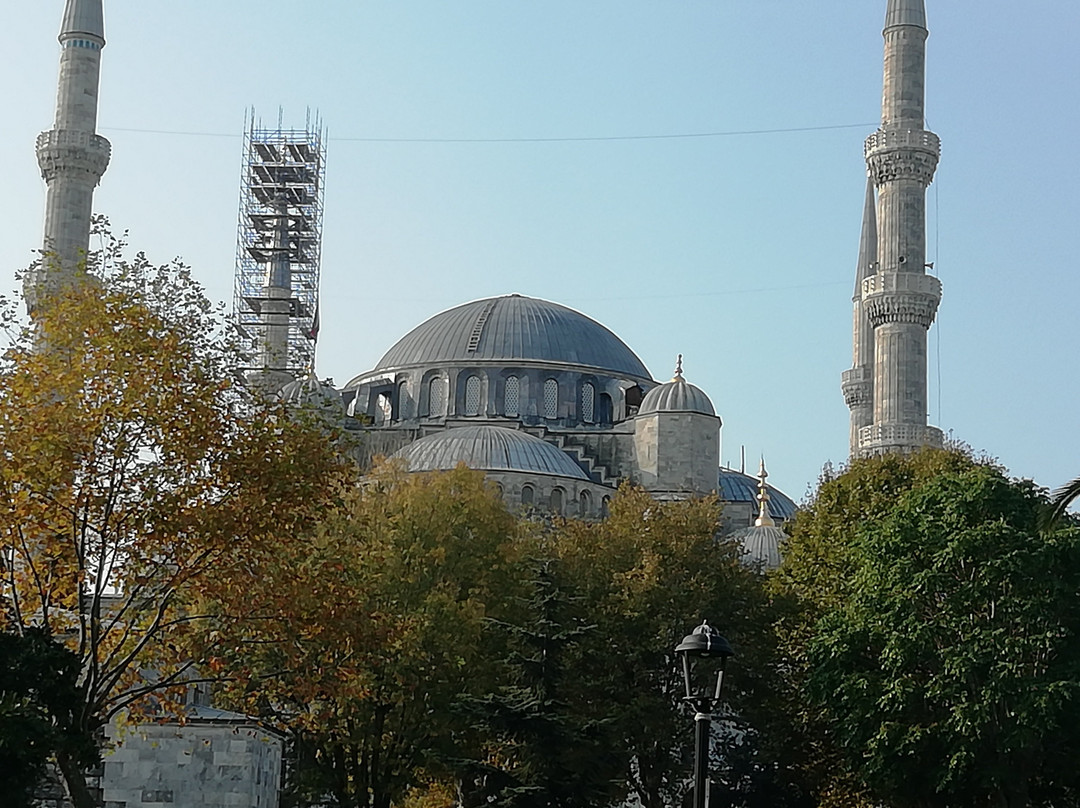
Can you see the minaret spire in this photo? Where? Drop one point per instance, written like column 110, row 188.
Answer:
column 899, row 298
column 858, row 382
column 71, row 155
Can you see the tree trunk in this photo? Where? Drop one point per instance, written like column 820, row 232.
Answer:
column 75, row 781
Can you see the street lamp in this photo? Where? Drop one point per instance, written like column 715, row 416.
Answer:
column 704, row 643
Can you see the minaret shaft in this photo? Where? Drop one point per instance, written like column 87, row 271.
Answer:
column 899, row 299
column 72, row 157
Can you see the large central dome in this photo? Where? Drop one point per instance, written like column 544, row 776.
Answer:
column 513, row 329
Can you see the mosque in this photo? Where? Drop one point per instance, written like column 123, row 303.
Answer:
column 552, row 406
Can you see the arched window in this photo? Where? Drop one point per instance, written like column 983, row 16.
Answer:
column 404, row 402
column 551, row 398
column 472, row 395
column 606, row 413
column 557, row 501
column 512, row 396
column 605, row 504
column 585, row 503
column 526, row 495
column 384, row 409
column 634, row 396
column 588, row 400
column 437, row 397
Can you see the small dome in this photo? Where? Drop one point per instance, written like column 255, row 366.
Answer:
column 310, row 392
column 760, row 546
column 678, row 395
column 489, row 448
column 513, row 329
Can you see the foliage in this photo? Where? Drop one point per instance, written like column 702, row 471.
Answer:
column 373, row 628
column 133, row 467
column 39, row 705
column 648, row 575
column 937, row 638
column 545, row 727
column 1055, row 514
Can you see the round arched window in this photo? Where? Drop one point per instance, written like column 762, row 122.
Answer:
column 437, row 397
column 588, row 403
column 472, row 395
column 551, row 398
column 512, row 396
column 527, row 495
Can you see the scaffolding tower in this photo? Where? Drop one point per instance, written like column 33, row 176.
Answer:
column 276, row 289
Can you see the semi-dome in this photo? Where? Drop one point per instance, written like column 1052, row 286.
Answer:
column 512, row 329
column 489, row 448
column 678, row 395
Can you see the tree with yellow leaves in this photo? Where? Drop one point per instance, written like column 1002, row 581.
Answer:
column 135, row 472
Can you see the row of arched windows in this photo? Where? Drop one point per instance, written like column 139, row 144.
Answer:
column 593, row 408
column 557, row 501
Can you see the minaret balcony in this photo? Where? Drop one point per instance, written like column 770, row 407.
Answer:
column 857, row 384
column 899, row 154
column 69, row 151
column 888, row 438
column 901, row 297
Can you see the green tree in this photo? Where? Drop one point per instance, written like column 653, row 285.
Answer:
column 943, row 659
column 39, row 707
column 133, row 468
column 1053, row 515
column 647, row 575
column 374, row 627
column 546, row 730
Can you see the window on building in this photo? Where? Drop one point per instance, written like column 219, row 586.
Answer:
column 512, row 396
column 437, row 397
column 606, row 413
column 551, row 398
column 527, row 495
column 404, row 402
column 588, row 402
column 384, row 408
column 472, row 395
column 557, row 501
column 605, row 505
column 585, row 503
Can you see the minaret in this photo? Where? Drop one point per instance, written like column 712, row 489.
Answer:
column 858, row 382
column 900, row 299
column 72, row 156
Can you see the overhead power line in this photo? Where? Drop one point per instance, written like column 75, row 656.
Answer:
column 600, row 138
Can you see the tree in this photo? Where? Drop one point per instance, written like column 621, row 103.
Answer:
column 646, row 576
column 374, row 629
column 39, row 705
column 1054, row 514
column 942, row 660
column 134, row 468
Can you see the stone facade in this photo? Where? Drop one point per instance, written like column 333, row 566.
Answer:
column 224, row 762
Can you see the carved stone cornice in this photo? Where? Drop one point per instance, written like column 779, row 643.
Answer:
column 906, row 154
column 888, row 438
column 72, row 153
column 901, row 297
column 857, row 385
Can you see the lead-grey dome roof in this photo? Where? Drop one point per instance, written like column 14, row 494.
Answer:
column 678, row 395
column 489, row 448
column 738, row 487
column 760, row 546
column 513, row 328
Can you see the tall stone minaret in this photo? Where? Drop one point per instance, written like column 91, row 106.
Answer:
column 71, row 155
column 899, row 299
column 858, row 382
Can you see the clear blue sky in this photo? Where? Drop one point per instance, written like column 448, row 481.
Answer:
column 738, row 251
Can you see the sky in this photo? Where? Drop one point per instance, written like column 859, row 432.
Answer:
column 731, row 239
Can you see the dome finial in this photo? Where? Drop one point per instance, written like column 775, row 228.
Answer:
column 678, row 370
column 763, row 520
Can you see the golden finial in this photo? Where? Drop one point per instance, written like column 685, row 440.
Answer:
column 678, row 370
column 763, row 520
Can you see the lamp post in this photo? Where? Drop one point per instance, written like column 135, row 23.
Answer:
column 704, row 643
